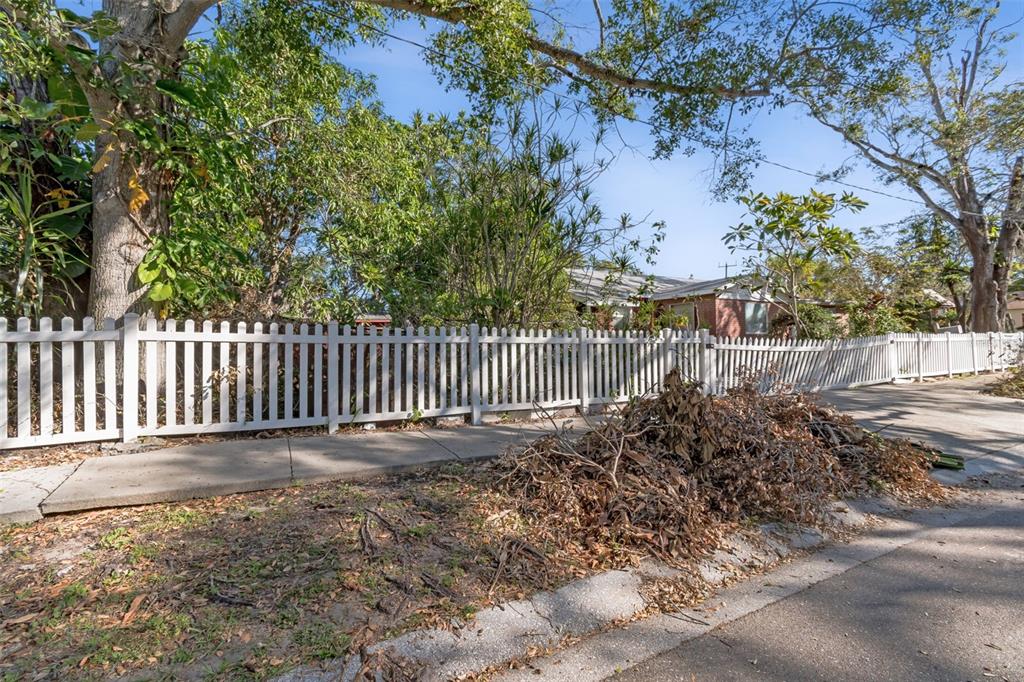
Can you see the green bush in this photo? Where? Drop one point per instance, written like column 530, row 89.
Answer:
column 818, row 323
column 876, row 321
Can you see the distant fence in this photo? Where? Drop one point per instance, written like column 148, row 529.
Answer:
column 117, row 380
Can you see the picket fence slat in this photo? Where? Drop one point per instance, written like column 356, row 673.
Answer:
column 368, row 374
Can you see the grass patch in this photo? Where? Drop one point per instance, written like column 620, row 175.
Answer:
column 322, row 640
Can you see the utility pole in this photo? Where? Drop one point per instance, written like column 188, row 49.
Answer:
column 726, row 267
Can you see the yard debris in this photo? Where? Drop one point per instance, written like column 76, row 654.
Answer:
column 133, row 609
column 941, row 460
column 676, row 471
column 1011, row 386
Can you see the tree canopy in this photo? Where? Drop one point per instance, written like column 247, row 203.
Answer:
column 784, row 239
column 688, row 65
column 200, row 161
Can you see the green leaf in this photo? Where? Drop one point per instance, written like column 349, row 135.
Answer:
column 69, row 225
column 179, row 91
column 81, row 51
column 73, row 269
column 38, row 110
column 148, row 272
column 71, row 17
column 88, row 132
column 161, row 291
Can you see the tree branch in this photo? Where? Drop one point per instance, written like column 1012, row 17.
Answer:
column 600, row 22
column 179, row 22
column 584, row 65
column 898, row 163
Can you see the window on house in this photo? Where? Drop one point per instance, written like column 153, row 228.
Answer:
column 755, row 318
column 684, row 310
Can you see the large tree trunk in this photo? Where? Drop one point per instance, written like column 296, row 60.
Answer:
column 124, row 220
column 985, row 293
column 993, row 259
column 120, row 241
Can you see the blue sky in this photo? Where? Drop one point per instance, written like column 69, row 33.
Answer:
column 674, row 190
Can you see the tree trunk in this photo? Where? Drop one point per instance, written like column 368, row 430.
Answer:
column 993, row 259
column 990, row 282
column 152, row 34
column 985, row 294
column 795, row 302
column 121, row 236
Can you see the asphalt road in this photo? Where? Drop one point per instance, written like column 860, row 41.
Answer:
column 949, row 606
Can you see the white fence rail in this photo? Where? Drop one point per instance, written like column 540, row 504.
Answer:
column 119, row 380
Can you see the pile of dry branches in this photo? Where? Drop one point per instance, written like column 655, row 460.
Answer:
column 675, row 471
column 1010, row 386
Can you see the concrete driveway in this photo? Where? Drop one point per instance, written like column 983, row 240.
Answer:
column 951, row 415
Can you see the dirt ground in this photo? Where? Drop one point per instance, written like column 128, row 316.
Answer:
column 246, row 586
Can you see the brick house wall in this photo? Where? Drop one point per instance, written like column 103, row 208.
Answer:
column 726, row 316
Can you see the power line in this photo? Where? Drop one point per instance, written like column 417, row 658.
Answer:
column 633, row 119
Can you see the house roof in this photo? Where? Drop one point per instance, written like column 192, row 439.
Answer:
column 692, row 288
column 598, row 285
column 936, row 297
column 1015, row 299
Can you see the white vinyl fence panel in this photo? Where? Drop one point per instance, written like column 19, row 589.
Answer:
column 62, row 383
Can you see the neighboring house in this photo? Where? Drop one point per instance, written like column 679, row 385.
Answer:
column 373, row 320
column 1015, row 307
column 722, row 306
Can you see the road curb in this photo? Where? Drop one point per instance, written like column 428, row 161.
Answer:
column 581, row 608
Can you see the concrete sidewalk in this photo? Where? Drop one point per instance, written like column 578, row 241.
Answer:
column 944, row 607
column 236, row 466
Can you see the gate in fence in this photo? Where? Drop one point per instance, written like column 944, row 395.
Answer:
column 121, row 380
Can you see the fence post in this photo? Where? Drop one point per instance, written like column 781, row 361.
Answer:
column 702, row 360
column 991, row 353
column 583, row 370
column 949, row 355
column 894, row 368
column 475, row 400
column 708, row 365
column 130, row 377
column 974, row 352
column 666, row 355
column 920, row 356
column 333, row 420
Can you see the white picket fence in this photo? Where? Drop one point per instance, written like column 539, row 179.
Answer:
column 117, row 380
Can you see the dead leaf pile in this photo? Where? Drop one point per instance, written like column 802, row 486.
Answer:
column 1012, row 386
column 674, row 472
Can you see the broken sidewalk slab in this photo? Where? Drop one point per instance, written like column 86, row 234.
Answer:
column 21, row 492
column 173, row 475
